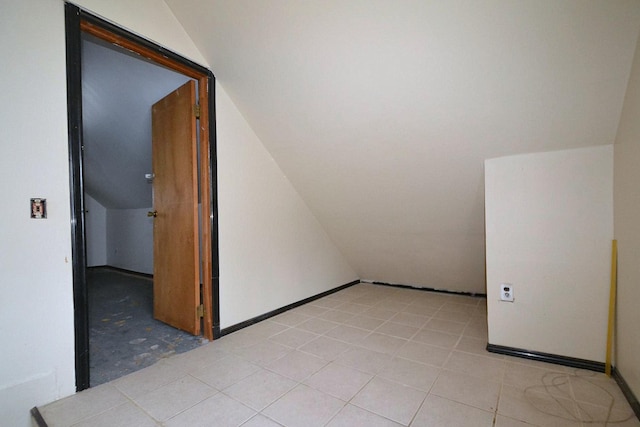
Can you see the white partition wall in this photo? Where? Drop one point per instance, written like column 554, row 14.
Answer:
column 627, row 232
column 549, row 226
column 95, row 218
column 130, row 239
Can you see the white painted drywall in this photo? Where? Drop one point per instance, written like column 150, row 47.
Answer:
column 273, row 251
column 382, row 112
column 549, row 225
column 151, row 19
column 130, row 239
column 36, row 294
column 36, row 286
column 627, row 232
column 95, row 224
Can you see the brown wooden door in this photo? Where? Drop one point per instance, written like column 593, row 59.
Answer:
column 176, row 281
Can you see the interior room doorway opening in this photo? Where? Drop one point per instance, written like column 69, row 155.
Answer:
column 201, row 305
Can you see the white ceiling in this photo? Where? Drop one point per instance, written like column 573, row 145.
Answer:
column 381, row 112
column 118, row 89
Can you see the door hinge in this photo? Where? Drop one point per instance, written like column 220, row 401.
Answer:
column 196, row 111
column 200, row 310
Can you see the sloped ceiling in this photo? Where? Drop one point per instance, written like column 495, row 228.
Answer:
column 118, row 90
column 381, row 112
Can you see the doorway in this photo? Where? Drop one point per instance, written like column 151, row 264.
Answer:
column 205, row 306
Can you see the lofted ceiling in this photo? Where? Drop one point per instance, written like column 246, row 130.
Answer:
column 381, row 112
column 118, row 90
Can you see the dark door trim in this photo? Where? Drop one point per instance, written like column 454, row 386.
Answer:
column 79, row 21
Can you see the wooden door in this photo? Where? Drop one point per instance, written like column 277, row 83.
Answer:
column 176, row 273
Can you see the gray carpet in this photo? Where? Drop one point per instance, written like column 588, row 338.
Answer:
column 124, row 337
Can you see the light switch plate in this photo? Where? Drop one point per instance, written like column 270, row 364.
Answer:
column 38, row 208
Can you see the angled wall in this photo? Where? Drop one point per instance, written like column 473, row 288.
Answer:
column 273, row 251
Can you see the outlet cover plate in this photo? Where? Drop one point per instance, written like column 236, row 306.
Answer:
column 506, row 292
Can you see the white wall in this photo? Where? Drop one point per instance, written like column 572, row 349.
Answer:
column 549, row 225
column 120, row 238
column 130, row 239
column 273, row 251
column 95, row 231
column 627, row 232
column 36, row 296
column 281, row 250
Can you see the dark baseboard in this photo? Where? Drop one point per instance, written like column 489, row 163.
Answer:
column 442, row 291
column 37, row 417
column 574, row 363
column 122, row 270
column 547, row 357
column 628, row 393
column 265, row 316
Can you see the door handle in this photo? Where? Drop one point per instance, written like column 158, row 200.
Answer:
column 152, row 213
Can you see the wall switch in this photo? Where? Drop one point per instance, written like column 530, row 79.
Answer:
column 506, row 292
column 38, row 208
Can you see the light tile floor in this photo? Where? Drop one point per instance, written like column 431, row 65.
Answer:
column 369, row 356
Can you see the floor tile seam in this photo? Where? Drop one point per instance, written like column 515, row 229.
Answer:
column 390, row 419
column 163, row 422
column 132, row 397
column 397, row 336
column 218, row 390
column 94, row 414
column 480, row 377
column 298, row 345
column 392, row 354
column 348, row 401
column 494, row 412
column 237, row 381
column 429, row 365
column 338, row 362
column 472, row 353
column 336, row 356
column 443, row 309
column 486, row 358
column 145, row 412
column 425, row 327
column 186, row 367
column 368, row 411
column 449, row 348
column 426, row 320
column 345, row 342
column 495, row 382
column 264, row 415
column 257, row 411
column 298, row 381
column 434, row 317
column 381, row 375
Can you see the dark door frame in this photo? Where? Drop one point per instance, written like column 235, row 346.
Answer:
column 79, row 21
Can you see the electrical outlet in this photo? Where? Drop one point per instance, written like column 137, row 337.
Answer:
column 506, row 292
